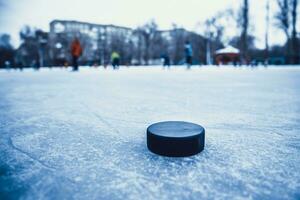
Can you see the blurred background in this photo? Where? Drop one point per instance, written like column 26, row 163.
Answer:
column 38, row 33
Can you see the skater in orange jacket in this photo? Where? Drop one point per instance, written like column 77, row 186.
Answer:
column 76, row 51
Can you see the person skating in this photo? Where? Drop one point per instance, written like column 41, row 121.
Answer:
column 188, row 54
column 76, row 51
column 115, row 59
column 166, row 60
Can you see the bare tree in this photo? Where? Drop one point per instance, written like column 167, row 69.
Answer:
column 139, row 43
column 147, row 35
column 214, row 33
column 283, row 16
column 244, row 35
column 294, row 39
column 27, row 53
column 214, row 29
column 178, row 40
column 287, row 20
column 267, row 32
column 6, row 51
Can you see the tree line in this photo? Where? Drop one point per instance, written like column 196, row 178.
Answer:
column 285, row 20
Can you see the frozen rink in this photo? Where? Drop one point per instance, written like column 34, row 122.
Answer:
column 66, row 135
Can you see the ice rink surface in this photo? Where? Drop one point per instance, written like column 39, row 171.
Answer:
column 66, row 135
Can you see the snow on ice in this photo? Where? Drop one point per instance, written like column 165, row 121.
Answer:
column 82, row 135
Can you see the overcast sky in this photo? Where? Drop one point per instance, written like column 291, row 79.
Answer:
column 14, row 14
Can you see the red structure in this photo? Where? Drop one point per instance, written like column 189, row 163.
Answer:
column 228, row 55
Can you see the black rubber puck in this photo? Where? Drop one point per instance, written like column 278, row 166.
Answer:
column 175, row 138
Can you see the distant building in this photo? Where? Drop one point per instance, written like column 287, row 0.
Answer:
column 98, row 41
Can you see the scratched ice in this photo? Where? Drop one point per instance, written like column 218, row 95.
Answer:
column 67, row 135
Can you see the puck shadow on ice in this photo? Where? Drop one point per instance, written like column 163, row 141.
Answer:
column 175, row 138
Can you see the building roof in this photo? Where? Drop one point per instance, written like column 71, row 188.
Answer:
column 228, row 50
column 90, row 24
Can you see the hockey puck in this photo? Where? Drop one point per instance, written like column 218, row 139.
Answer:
column 175, row 138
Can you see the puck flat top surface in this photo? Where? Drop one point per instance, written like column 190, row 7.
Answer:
column 176, row 129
